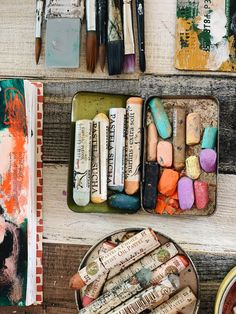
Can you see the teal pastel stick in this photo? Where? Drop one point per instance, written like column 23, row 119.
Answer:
column 160, row 118
column 209, row 137
column 130, row 203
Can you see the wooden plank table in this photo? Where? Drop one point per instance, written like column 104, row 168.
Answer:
column 67, row 235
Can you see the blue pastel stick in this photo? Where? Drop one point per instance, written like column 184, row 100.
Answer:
column 123, row 201
column 160, row 118
column 209, row 137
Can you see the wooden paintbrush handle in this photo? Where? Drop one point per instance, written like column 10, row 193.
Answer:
column 91, row 15
column 102, row 21
column 141, row 38
column 128, row 27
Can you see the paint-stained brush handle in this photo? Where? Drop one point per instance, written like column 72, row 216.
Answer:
column 102, row 21
column 141, row 34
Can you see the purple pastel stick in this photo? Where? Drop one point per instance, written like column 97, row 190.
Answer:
column 208, row 158
column 185, row 193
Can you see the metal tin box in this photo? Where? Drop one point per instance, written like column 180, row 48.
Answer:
column 188, row 278
column 85, row 105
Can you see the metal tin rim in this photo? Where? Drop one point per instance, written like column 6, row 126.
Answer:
column 140, row 229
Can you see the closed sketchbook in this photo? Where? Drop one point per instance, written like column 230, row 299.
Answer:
column 21, row 193
column 206, row 35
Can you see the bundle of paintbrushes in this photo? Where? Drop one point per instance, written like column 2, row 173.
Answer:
column 107, row 158
column 110, row 35
column 136, row 272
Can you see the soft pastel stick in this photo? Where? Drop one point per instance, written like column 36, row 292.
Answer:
column 82, row 162
column 150, row 185
column 99, row 158
column 151, row 296
column 130, row 250
column 93, row 290
column 164, row 153
column 124, row 201
column 193, row 167
column 168, row 182
column 177, row 303
column 116, row 154
column 208, row 160
column 152, row 140
column 179, row 134
column 150, row 261
column 193, row 129
column 201, row 194
column 185, row 193
column 209, row 137
column 134, row 110
column 160, row 118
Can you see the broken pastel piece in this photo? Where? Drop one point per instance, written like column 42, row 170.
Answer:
column 201, row 194
column 150, row 185
column 185, row 193
column 208, row 160
column 209, row 137
column 193, row 129
column 123, row 201
column 164, row 154
column 168, row 182
column 160, row 118
column 134, row 109
column 152, row 140
column 179, row 134
column 82, row 162
column 99, row 158
column 193, row 167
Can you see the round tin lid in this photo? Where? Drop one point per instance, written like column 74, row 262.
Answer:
column 187, row 278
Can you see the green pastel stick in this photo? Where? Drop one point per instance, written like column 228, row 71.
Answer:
column 209, row 137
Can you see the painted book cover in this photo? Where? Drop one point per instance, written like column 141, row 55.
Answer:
column 206, row 35
column 18, row 191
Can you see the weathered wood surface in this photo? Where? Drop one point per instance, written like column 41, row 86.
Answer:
column 61, row 261
column 17, row 20
column 58, row 107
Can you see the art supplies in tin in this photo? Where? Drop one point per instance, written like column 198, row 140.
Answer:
column 162, row 155
column 160, row 279
column 21, row 223
column 205, row 35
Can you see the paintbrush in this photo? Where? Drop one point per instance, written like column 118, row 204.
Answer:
column 91, row 40
column 141, row 35
column 102, row 31
column 115, row 41
column 129, row 50
column 38, row 29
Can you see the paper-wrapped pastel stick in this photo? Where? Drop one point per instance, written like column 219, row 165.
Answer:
column 179, row 137
column 99, row 158
column 131, row 250
column 116, row 154
column 93, row 290
column 160, row 118
column 134, row 110
column 175, row 265
column 177, row 303
column 149, row 297
column 151, row 262
column 82, row 162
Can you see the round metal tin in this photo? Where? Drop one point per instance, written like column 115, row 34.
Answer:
column 226, row 295
column 187, row 278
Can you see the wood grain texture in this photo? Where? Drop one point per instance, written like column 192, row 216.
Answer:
column 62, row 261
column 17, row 21
column 58, row 98
column 209, row 234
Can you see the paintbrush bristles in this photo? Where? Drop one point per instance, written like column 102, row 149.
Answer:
column 129, row 63
column 38, row 45
column 102, row 56
column 91, row 51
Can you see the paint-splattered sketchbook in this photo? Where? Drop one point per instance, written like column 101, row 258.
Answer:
column 206, row 35
column 20, row 192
